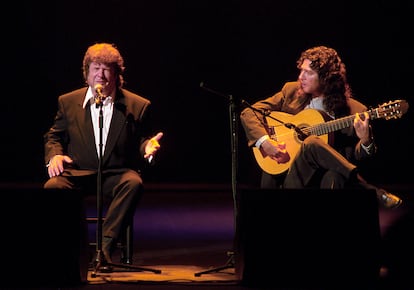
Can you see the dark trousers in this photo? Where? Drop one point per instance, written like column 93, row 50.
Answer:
column 316, row 165
column 123, row 189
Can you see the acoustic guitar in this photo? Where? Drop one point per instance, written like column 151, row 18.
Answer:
column 293, row 129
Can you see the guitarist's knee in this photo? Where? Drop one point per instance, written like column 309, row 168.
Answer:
column 332, row 180
column 312, row 140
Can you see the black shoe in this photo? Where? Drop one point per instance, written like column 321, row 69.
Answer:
column 100, row 264
column 388, row 200
column 106, row 269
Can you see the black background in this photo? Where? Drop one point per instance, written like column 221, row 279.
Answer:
column 246, row 49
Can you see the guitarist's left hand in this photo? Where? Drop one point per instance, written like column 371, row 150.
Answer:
column 362, row 128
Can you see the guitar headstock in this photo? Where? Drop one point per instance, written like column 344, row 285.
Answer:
column 391, row 110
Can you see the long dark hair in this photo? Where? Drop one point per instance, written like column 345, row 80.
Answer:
column 332, row 78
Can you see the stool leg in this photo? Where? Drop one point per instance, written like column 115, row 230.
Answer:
column 128, row 246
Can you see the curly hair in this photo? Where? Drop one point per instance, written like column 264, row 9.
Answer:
column 104, row 53
column 332, row 78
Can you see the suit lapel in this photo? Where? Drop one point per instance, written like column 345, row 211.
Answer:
column 117, row 123
column 85, row 127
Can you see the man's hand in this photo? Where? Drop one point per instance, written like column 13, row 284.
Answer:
column 275, row 150
column 362, row 129
column 56, row 165
column 152, row 146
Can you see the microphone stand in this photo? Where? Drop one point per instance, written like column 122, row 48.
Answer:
column 234, row 145
column 234, row 129
column 101, row 265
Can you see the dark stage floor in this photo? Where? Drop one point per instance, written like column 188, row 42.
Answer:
column 186, row 229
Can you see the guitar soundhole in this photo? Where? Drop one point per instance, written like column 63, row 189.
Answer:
column 300, row 133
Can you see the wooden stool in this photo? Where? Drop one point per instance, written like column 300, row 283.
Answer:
column 125, row 244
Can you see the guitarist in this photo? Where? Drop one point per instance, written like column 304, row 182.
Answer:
column 322, row 85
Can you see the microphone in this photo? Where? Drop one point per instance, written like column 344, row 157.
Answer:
column 99, row 95
column 263, row 112
column 98, row 90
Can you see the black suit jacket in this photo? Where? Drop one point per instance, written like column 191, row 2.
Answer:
column 72, row 134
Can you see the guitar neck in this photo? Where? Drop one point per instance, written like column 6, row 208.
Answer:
column 337, row 124
column 331, row 126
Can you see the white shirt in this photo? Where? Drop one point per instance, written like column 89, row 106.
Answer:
column 317, row 104
column 107, row 110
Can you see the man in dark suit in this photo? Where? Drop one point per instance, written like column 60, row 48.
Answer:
column 104, row 120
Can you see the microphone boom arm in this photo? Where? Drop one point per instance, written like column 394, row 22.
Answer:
column 266, row 113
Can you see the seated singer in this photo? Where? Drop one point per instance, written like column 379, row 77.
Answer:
column 321, row 85
column 74, row 142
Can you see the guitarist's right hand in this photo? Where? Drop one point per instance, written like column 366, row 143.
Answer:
column 275, row 150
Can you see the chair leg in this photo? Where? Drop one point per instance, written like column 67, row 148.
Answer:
column 128, row 245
